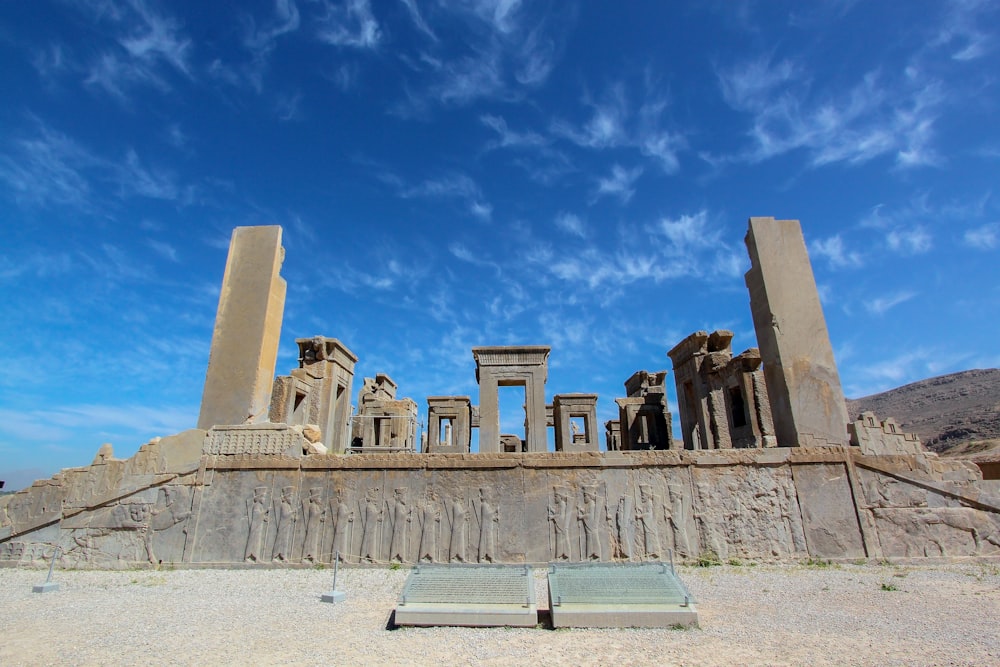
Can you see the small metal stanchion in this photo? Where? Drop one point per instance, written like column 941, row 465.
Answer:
column 49, row 585
column 335, row 595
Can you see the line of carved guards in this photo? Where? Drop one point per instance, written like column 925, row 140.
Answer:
column 584, row 524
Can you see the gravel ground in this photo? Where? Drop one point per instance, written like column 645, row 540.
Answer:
column 764, row 614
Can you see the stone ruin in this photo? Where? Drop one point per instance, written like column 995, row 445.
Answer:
column 282, row 470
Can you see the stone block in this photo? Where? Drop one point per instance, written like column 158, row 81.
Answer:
column 632, row 595
column 803, row 385
column 244, row 348
column 468, row 595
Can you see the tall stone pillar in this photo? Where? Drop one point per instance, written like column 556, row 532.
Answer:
column 803, row 385
column 247, row 328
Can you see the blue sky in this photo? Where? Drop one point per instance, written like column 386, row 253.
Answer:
column 485, row 172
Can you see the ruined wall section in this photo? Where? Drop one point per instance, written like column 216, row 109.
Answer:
column 766, row 504
column 112, row 513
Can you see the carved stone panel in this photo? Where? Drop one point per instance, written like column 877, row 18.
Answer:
column 829, row 515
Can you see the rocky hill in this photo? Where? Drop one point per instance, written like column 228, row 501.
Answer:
column 952, row 414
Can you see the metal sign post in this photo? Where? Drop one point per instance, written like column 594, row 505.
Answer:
column 334, row 595
column 49, row 585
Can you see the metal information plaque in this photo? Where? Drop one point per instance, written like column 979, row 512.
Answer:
column 618, row 595
column 468, row 595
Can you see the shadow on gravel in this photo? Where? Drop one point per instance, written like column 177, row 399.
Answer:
column 544, row 620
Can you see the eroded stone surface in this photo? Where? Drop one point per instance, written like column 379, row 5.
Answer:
column 803, row 384
column 244, row 350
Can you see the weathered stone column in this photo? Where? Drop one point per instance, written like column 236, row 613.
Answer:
column 803, row 385
column 247, row 328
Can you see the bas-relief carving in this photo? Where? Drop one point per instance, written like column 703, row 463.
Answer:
column 941, row 531
column 314, row 513
column 371, row 517
column 647, row 518
column 258, row 515
column 463, row 515
column 429, row 515
column 590, row 517
column 342, row 514
column 285, row 517
column 458, row 541
column 488, row 515
column 400, row 516
column 559, row 517
column 887, row 491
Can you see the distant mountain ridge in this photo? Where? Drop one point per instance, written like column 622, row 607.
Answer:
column 947, row 412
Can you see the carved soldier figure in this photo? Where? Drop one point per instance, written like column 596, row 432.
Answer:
column 430, row 523
column 588, row 517
column 258, row 514
column 559, row 516
column 489, row 525
column 646, row 518
column 623, row 532
column 678, row 521
column 401, row 518
column 314, row 511
column 287, row 516
column 343, row 516
column 459, row 531
column 372, row 521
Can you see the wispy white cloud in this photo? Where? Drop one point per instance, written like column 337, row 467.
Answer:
column 288, row 106
column 157, row 39
column 961, row 29
column 51, row 62
column 620, row 183
column 882, row 304
column 511, row 48
column 571, row 224
column 615, row 123
column 463, row 252
column 879, row 115
column 176, row 136
column 984, row 237
column 909, row 228
column 418, row 19
column 453, row 186
column 670, row 248
column 50, row 168
column 163, row 420
column 912, row 241
column 137, row 179
column 152, row 44
column 606, row 126
column 833, row 250
column 507, row 138
column 261, row 38
column 349, row 24
column 164, row 249
column 687, row 232
column 878, row 375
column 38, row 264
